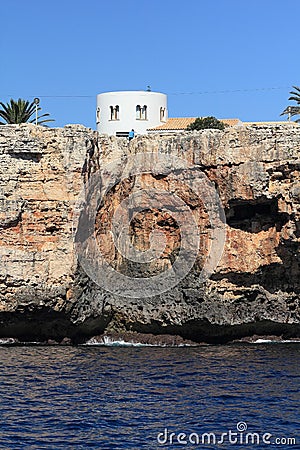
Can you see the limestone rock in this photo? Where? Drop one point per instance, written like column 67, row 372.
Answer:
column 46, row 294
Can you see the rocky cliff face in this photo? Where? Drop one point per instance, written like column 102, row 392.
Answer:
column 60, row 186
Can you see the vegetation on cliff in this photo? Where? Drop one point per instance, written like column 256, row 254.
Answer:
column 206, row 122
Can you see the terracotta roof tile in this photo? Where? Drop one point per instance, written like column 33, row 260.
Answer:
column 232, row 122
column 271, row 123
column 180, row 123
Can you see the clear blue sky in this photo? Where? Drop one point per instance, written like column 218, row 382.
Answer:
column 191, row 50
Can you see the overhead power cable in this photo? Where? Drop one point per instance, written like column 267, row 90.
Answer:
column 229, row 91
column 226, row 91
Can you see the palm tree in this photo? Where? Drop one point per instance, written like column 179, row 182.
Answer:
column 293, row 110
column 21, row 111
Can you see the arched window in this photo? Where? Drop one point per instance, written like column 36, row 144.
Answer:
column 117, row 109
column 162, row 114
column 114, row 112
column 144, row 113
column 141, row 112
column 111, row 112
column 98, row 115
column 138, row 112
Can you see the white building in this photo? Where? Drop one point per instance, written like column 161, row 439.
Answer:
column 119, row 112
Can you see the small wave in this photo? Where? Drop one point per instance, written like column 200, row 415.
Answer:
column 7, row 341
column 109, row 342
column 17, row 343
column 276, row 341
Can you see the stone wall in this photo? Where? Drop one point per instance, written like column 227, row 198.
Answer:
column 255, row 288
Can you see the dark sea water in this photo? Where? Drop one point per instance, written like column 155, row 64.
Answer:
column 124, row 397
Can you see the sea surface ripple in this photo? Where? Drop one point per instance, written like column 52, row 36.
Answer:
column 123, row 397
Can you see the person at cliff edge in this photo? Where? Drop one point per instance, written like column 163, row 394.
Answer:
column 131, row 135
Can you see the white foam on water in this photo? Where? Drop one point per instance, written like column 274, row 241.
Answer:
column 5, row 341
column 275, row 341
column 109, row 342
column 12, row 341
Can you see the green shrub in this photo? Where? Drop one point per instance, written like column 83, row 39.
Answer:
column 206, row 122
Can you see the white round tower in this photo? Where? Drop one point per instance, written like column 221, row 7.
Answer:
column 119, row 112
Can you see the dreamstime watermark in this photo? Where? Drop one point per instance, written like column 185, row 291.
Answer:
column 239, row 436
column 166, row 198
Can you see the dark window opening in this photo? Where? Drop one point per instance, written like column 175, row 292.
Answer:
column 114, row 112
column 98, row 115
column 162, row 114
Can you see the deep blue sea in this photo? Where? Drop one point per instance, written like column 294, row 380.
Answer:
column 150, row 397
